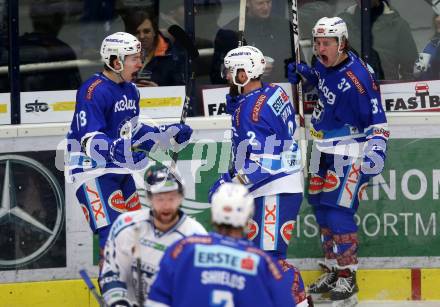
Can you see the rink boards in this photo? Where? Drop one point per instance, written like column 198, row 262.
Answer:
column 399, row 222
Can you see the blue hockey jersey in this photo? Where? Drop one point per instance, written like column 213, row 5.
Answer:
column 102, row 107
column 349, row 108
column 266, row 155
column 215, row 270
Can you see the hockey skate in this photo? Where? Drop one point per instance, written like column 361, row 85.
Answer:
column 345, row 288
column 320, row 289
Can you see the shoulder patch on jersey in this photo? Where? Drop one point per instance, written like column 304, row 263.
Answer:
column 257, row 107
column 190, row 240
column 273, row 268
column 91, row 88
column 356, row 81
column 277, row 101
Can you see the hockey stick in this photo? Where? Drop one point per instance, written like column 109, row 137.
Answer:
column 241, row 22
column 299, row 89
column 91, row 287
column 137, row 256
column 183, row 39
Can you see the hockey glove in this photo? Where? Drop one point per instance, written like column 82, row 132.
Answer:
column 225, row 177
column 146, row 137
column 296, row 71
column 121, row 153
column 180, row 132
column 374, row 157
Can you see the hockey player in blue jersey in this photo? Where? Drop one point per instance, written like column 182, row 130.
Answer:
column 103, row 132
column 222, row 268
column 350, row 133
column 266, row 155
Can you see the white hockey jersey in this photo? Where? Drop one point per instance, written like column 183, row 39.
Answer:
column 132, row 232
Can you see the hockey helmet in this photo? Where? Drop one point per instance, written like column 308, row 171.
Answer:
column 119, row 44
column 232, row 205
column 248, row 58
column 330, row 27
column 160, row 179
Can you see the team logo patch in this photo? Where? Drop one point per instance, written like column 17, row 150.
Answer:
column 332, row 182
column 133, row 202
column 116, row 201
column 252, row 229
column 287, row 230
column 362, row 193
column 86, row 212
column 316, row 183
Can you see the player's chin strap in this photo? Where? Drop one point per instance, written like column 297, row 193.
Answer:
column 119, row 72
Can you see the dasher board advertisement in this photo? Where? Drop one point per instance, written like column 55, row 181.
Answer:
column 5, row 109
column 58, row 106
column 411, row 96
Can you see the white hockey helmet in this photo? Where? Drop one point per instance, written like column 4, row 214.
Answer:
column 119, row 44
column 248, row 58
column 232, row 205
column 330, row 27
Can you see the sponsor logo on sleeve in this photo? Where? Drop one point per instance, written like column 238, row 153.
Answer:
column 257, row 107
column 356, row 82
column 91, row 89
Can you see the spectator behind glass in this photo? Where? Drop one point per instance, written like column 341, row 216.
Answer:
column 391, row 39
column 172, row 12
column 310, row 11
column 427, row 66
column 163, row 63
column 41, row 46
column 268, row 33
